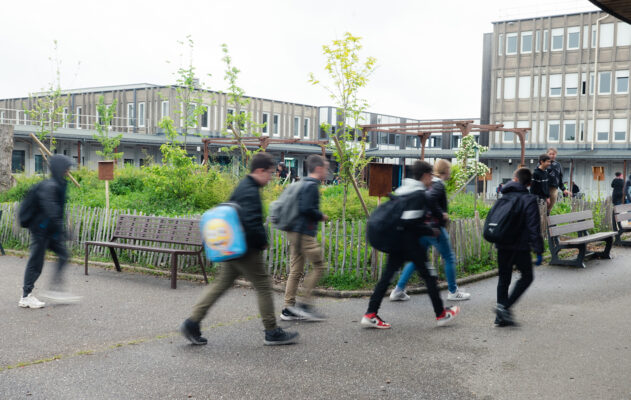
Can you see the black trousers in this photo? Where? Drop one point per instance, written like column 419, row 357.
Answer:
column 411, row 251
column 40, row 242
column 505, row 260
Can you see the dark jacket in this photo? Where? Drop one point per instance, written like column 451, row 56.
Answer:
column 51, row 197
column 618, row 185
column 437, row 196
column 416, row 208
column 530, row 225
column 555, row 172
column 540, row 184
column 248, row 197
column 627, row 193
column 308, row 207
column 575, row 189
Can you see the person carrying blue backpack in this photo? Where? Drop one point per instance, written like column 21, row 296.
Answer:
column 251, row 266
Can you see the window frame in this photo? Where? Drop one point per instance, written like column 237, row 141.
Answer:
column 276, row 125
column 514, row 80
column 555, row 34
column 567, row 84
column 306, row 125
column 603, row 122
column 555, row 87
column 522, row 79
column 577, row 31
column 201, row 118
column 131, row 119
column 600, row 81
column 500, row 44
column 78, row 111
column 626, row 28
column 522, row 36
column 565, row 124
column 509, row 36
column 164, row 109
column 142, row 121
column 265, row 122
column 607, row 38
column 558, row 125
column 620, row 121
column 621, row 74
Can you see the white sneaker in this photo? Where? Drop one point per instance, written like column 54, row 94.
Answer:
column 458, row 295
column 398, row 295
column 61, row 297
column 31, row 301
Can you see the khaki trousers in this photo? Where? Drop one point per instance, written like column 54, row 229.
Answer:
column 302, row 248
column 554, row 196
column 251, row 267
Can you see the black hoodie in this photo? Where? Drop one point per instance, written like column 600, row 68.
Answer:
column 530, row 225
column 51, row 196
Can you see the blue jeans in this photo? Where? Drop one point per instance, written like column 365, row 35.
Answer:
column 443, row 245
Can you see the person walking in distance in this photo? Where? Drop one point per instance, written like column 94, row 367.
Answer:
column 517, row 252
column 541, row 180
column 555, row 172
column 251, row 266
column 437, row 195
column 617, row 195
column 412, row 192
column 48, row 232
column 303, row 245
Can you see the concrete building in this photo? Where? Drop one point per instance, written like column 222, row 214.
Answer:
column 567, row 78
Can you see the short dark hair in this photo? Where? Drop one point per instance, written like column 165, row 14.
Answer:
column 314, row 161
column 618, row 173
column 523, row 175
column 421, row 168
column 261, row 160
column 543, row 158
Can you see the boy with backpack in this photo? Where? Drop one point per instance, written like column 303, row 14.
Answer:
column 303, row 245
column 411, row 226
column 247, row 196
column 521, row 234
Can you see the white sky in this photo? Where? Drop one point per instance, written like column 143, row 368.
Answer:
column 429, row 55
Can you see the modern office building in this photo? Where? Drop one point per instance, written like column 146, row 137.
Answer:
column 567, row 78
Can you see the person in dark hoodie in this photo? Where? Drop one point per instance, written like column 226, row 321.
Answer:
column 540, row 186
column 617, row 195
column 414, row 227
column 517, row 253
column 303, row 245
column 48, row 232
column 250, row 265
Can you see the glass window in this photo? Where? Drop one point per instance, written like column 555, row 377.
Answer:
column 524, row 87
column 535, row 87
column 500, row 44
column 557, row 39
column 571, row 84
column 619, row 130
column 606, row 35
column 498, row 88
column 204, row 117
column 508, row 136
column 591, row 83
column 546, row 35
column 583, row 83
column 511, row 43
column 1, row 117
column 581, row 132
column 544, row 80
column 39, row 164
column 509, row 87
column 64, row 116
column 602, row 130
column 305, row 131
column 537, row 41
column 141, row 114
column 586, row 36
column 555, row 85
column 131, row 114
column 265, row 122
column 78, row 119
column 593, row 36
column 18, row 161
column 569, row 131
column 604, row 82
column 276, row 128
column 165, row 109
column 622, row 82
column 296, row 126
column 573, row 37
column 553, row 131
column 526, row 42
column 623, row 37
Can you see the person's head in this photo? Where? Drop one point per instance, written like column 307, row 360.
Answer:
column 317, row 166
column 544, row 161
column 442, row 169
column 422, row 171
column 552, row 153
column 619, row 175
column 59, row 165
column 523, row 176
column 262, row 168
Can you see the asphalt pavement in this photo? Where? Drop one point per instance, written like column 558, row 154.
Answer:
column 121, row 342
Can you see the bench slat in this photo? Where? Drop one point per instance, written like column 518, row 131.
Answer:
column 622, row 208
column 569, row 217
column 589, row 238
column 158, row 229
column 142, row 248
column 625, row 216
column 571, row 228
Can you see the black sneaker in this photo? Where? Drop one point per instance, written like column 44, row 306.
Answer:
column 278, row 336
column 503, row 316
column 287, row 315
column 190, row 330
column 307, row 312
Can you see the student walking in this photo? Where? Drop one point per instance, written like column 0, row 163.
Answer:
column 303, row 245
column 540, row 180
column 617, row 195
column 437, row 196
column 247, row 196
column 412, row 192
column 555, row 172
column 48, row 232
column 517, row 252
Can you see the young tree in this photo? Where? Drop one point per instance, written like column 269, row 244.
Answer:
column 103, row 125
column 468, row 162
column 348, row 74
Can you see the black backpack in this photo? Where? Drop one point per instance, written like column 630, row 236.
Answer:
column 503, row 222
column 29, row 207
column 385, row 227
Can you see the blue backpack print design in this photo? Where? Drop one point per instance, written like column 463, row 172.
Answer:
column 222, row 233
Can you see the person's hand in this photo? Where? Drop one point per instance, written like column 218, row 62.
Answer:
column 445, row 217
column 325, row 217
column 539, row 259
column 565, row 192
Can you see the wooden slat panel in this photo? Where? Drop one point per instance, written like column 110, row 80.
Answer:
column 569, row 217
column 623, row 217
column 589, row 238
column 571, row 228
column 622, row 208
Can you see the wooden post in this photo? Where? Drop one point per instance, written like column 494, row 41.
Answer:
column 78, row 153
column 107, row 195
column 359, row 195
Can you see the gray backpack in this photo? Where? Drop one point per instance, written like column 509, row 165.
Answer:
column 284, row 211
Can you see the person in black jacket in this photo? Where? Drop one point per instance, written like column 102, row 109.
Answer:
column 303, row 245
column 627, row 190
column 48, row 232
column 617, row 195
column 541, row 180
column 251, row 266
column 517, row 252
column 415, row 226
column 555, row 173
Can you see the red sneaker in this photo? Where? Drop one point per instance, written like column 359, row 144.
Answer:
column 372, row 320
column 448, row 315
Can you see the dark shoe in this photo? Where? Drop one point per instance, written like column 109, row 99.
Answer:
column 278, row 336
column 503, row 316
column 307, row 312
column 190, row 330
column 287, row 315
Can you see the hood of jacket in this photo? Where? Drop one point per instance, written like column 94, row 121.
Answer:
column 408, row 186
column 514, row 187
column 59, row 164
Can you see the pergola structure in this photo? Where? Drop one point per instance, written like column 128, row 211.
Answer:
column 620, row 9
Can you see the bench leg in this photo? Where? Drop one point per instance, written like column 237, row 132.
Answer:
column 581, row 256
column 115, row 259
column 2, row 250
column 174, row 271
column 201, row 264
column 606, row 253
column 87, row 252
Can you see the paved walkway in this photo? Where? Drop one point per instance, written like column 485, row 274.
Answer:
column 122, row 342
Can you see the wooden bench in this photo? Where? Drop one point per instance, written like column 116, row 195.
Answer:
column 176, row 231
column 622, row 213
column 580, row 223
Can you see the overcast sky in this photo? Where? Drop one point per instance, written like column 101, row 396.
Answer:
column 429, row 54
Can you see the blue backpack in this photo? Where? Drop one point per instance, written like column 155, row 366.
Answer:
column 222, row 233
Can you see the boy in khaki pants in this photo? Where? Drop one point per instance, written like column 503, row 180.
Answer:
column 303, row 245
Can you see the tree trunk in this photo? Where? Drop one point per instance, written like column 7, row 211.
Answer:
column 6, row 151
